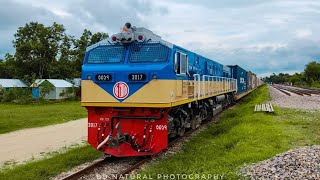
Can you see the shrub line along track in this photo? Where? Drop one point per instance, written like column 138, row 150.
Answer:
column 299, row 91
column 142, row 160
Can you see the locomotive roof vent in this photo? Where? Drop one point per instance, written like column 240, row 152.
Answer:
column 130, row 34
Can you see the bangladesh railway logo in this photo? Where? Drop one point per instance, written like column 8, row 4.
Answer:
column 121, row 90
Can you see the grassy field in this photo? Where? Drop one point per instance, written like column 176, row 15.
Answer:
column 241, row 137
column 14, row 117
column 52, row 166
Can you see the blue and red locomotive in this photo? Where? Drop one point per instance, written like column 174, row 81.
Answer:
column 140, row 90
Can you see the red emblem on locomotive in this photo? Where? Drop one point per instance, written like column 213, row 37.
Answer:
column 121, row 90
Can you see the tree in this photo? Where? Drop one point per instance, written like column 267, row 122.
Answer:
column 62, row 67
column 36, row 48
column 45, row 88
column 3, row 70
column 98, row 37
column 312, row 71
column 47, row 52
column 296, row 79
column 7, row 69
column 80, row 45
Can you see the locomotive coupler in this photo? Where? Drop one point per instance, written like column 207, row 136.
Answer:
column 115, row 141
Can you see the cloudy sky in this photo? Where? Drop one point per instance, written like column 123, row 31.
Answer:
column 264, row 36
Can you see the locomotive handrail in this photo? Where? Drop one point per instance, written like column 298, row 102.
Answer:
column 208, row 87
column 204, row 85
column 195, row 90
column 224, row 84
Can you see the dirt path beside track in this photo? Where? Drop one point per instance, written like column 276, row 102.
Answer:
column 33, row 143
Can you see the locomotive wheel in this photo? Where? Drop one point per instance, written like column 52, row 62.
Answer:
column 203, row 114
column 193, row 123
column 198, row 120
column 181, row 131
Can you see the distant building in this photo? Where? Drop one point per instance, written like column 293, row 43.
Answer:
column 75, row 81
column 12, row 83
column 59, row 90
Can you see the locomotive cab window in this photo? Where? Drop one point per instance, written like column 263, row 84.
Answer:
column 106, row 54
column 181, row 63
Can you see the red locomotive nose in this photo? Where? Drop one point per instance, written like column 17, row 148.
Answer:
column 128, row 131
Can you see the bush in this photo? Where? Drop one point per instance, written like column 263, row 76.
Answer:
column 45, row 88
column 16, row 95
column 315, row 84
column 71, row 93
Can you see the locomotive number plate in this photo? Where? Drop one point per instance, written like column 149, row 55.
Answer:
column 103, row 77
column 137, row 77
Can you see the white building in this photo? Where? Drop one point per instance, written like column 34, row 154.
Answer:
column 12, row 83
column 59, row 91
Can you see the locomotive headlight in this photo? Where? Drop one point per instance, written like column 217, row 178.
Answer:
column 140, row 38
column 89, row 77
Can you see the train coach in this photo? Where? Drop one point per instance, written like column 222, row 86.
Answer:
column 140, row 90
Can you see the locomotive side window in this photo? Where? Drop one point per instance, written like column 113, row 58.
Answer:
column 177, row 63
column 180, row 63
column 183, row 63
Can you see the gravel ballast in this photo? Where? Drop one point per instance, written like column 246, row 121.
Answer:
column 300, row 163
column 294, row 101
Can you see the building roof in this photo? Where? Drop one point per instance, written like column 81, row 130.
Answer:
column 54, row 82
column 9, row 83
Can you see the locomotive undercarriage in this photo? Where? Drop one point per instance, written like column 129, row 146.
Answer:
column 191, row 115
column 143, row 131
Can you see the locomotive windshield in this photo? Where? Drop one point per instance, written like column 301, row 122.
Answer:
column 138, row 53
column 148, row 52
column 106, row 54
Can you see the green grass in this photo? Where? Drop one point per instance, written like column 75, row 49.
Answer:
column 241, row 137
column 51, row 166
column 14, row 117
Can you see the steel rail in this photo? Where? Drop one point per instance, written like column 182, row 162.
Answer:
column 285, row 92
column 293, row 90
column 88, row 168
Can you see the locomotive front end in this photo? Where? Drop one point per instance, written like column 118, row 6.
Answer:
column 140, row 90
column 126, row 91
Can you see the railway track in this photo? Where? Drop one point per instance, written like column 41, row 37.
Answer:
column 299, row 91
column 310, row 90
column 285, row 92
column 104, row 168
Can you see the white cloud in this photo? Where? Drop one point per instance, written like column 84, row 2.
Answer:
column 263, row 36
column 60, row 12
column 303, row 33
